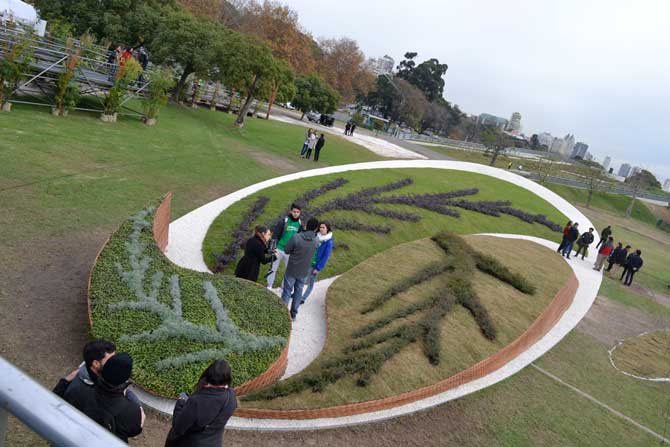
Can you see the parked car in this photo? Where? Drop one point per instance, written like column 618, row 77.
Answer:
column 313, row 116
column 326, row 120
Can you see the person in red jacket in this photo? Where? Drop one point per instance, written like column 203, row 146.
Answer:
column 604, row 253
column 566, row 231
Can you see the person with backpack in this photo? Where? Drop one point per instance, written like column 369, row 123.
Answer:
column 607, row 232
column 573, row 235
column 285, row 229
column 325, row 237
column 604, row 253
column 110, row 406
column 301, row 249
column 583, row 243
column 566, row 231
column 633, row 265
column 198, row 420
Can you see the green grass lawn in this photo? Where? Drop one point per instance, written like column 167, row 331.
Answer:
column 364, row 244
column 461, row 342
column 63, row 174
column 644, row 356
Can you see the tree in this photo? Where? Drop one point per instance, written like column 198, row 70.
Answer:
column 534, row 142
column 341, row 62
column 385, row 97
column 313, row 93
column 192, row 43
column 426, row 76
column 494, row 141
column 278, row 85
column 160, row 82
column 594, row 182
column 16, row 57
column 363, row 82
column 413, row 105
column 644, row 179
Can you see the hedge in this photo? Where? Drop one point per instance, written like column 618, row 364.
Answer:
column 174, row 321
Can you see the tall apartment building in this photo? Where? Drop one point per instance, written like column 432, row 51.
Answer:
column 545, row 139
column 486, row 119
column 381, row 65
column 569, row 144
column 579, row 150
column 514, row 126
column 606, row 163
column 624, row 170
column 666, row 185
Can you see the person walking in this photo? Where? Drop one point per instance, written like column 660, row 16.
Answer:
column 566, row 231
column 606, row 233
column 325, row 237
column 319, row 146
column 110, row 406
column 305, row 144
column 351, row 130
column 347, row 128
column 583, row 243
column 255, row 254
column 285, row 229
column 573, row 235
column 198, row 420
column 311, row 145
column 301, row 249
column 604, row 253
column 633, row 265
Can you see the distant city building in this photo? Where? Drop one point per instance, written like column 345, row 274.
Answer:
column 381, row 65
column 624, row 170
column 666, row 185
column 486, row 119
column 579, row 150
column 557, row 146
column 636, row 170
column 606, row 163
column 569, row 144
column 514, row 126
column 545, row 139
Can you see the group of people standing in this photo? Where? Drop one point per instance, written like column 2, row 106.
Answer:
column 99, row 389
column 349, row 128
column 119, row 57
column 312, row 142
column 616, row 257
column 304, row 250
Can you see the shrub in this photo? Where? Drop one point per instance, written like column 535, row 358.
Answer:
column 15, row 61
column 160, row 82
column 175, row 321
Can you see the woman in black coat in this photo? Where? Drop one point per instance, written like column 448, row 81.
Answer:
column 255, row 254
column 198, row 420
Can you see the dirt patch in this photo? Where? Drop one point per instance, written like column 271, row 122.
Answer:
column 278, row 164
column 609, row 321
column 660, row 298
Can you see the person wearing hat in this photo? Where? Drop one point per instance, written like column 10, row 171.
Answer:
column 110, row 407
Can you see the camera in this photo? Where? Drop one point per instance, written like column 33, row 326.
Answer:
column 272, row 246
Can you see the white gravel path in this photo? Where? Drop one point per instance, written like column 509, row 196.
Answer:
column 187, row 234
column 376, row 145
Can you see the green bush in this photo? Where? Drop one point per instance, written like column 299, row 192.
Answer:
column 174, row 321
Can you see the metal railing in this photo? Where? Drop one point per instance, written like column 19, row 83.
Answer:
column 45, row 413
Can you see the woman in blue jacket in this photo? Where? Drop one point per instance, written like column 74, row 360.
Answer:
column 325, row 236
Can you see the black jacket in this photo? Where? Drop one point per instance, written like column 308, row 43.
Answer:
column 109, row 407
column 320, row 143
column 255, row 254
column 616, row 256
column 199, row 421
column 605, row 233
column 634, row 262
column 573, row 234
column 623, row 257
column 586, row 239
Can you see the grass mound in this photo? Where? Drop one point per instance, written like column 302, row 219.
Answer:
column 645, row 356
column 173, row 321
column 452, row 329
column 373, row 210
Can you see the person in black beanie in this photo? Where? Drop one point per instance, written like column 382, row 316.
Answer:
column 110, row 407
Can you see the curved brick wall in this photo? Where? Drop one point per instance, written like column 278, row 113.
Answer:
column 535, row 332
column 161, row 227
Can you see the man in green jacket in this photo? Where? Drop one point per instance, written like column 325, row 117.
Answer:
column 285, row 229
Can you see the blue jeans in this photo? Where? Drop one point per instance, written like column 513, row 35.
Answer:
column 567, row 249
column 304, row 149
column 293, row 290
column 311, row 279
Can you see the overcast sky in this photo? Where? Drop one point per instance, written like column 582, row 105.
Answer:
column 598, row 69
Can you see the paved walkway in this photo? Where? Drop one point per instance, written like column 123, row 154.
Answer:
column 185, row 249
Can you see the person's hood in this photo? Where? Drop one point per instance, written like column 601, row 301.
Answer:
column 308, row 235
column 325, row 238
column 87, row 376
